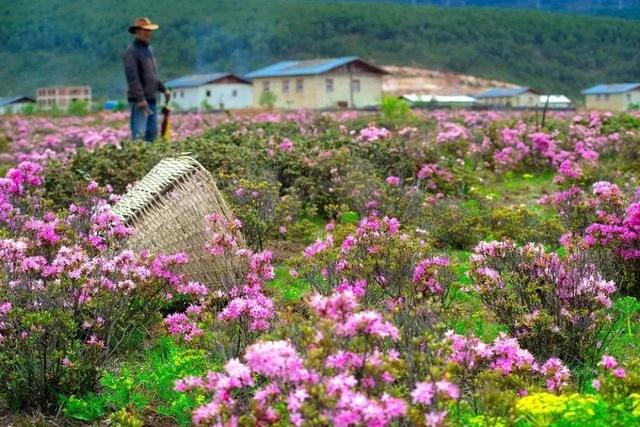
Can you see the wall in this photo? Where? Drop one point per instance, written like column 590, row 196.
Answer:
column 614, row 102
column 13, row 108
column 370, row 90
column 221, row 95
column 525, row 100
column 293, row 99
column 314, row 94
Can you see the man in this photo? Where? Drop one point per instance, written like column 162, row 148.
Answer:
column 142, row 81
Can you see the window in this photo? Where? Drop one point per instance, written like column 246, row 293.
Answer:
column 328, row 85
column 598, row 97
column 208, row 93
column 285, row 86
column 606, row 97
column 181, row 94
column 299, row 85
column 355, row 86
column 628, row 97
column 234, row 93
column 266, row 86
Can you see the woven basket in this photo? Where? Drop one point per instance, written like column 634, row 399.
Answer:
column 167, row 209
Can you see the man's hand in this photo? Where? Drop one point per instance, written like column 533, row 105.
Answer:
column 167, row 97
column 142, row 105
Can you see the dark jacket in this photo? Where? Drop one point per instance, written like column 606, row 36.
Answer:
column 142, row 72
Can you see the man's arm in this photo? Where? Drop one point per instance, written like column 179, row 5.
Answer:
column 133, row 77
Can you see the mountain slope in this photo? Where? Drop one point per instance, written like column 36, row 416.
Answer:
column 48, row 42
column 629, row 9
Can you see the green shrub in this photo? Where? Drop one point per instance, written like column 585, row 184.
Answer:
column 145, row 386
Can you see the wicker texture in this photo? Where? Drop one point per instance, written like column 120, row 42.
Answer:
column 168, row 209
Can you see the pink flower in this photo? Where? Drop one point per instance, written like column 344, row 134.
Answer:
column 286, row 145
column 619, row 373
column 608, row 362
column 393, row 180
column 423, row 393
column 449, row 389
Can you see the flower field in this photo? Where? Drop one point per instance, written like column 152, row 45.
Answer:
column 445, row 268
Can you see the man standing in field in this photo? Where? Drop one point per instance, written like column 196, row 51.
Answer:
column 142, row 81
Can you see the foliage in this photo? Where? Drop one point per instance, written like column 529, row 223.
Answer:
column 395, row 110
column 145, row 385
column 72, row 296
column 555, row 307
column 568, row 53
column 268, row 99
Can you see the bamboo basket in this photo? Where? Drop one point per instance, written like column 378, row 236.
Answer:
column 168, row 208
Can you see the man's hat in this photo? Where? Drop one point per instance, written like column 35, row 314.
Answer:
column 144, row 23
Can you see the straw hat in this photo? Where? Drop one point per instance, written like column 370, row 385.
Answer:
column 144, row 23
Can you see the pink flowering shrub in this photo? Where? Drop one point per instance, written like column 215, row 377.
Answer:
column 260, row 208
column 491, row 376
column 237, row 314
column 619, row 385
column 554, row 306
column 606, row 224
column 71, row 294
column 337, row 368
column 378, row 262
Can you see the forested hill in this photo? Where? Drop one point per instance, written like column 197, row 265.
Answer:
column 629, row 9
column 47, row 42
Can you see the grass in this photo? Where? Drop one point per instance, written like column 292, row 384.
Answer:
column 288, row 289
column 518, row 188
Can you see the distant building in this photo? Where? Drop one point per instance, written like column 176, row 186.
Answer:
column 347, row 82
column 555, row 102
column 15, row 104
column 519, row 97
column 612, row 97
column 449, row 101
column 220, row 91
column 62, row 96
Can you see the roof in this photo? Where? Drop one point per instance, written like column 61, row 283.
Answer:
column 15, row 99
column 441, row 98
column 554, row 99
column 610, row 88
column 503, row 91
column 201, row 79
column 307, row 67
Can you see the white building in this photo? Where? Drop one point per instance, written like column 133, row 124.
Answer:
column 218, row 91
column 452, row 101
column 518, row 97
column 555, row 102
column 15, row 104
column 63, row 96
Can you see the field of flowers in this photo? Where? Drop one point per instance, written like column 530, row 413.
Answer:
column 402, row 269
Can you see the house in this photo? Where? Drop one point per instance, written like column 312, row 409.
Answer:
column 347, row 82
column 446, row 101
column 62, row 96
column 220, row 91
column 554, row 102
column 612, row 97
column 518, row 97
column 14, row 104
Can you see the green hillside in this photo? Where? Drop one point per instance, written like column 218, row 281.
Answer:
column 47, row 42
